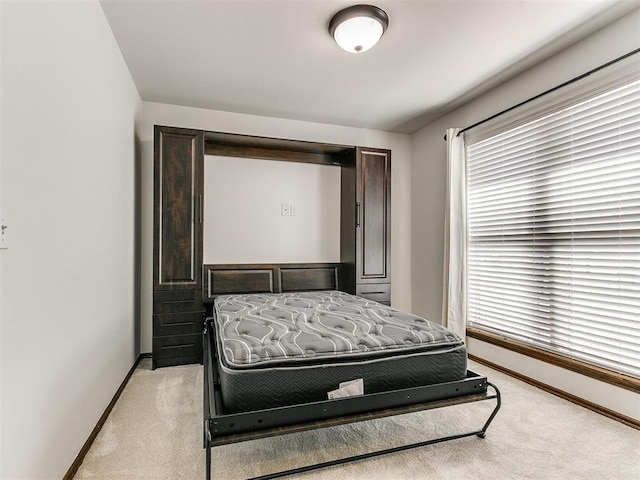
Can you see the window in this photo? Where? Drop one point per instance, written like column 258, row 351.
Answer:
column 553, row 213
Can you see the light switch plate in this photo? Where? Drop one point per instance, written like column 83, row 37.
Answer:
column 293, row 210
column 285, row 210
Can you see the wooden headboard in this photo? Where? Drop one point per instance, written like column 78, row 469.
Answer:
column 224, row 279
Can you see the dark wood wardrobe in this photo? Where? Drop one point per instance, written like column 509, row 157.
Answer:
column 365, row 232
column 177, row 246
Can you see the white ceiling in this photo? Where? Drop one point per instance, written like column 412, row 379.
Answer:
column 276, row 58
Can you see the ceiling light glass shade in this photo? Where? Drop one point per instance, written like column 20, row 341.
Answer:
column 358, row 28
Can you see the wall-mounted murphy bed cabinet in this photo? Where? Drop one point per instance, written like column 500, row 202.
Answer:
column 365, row 231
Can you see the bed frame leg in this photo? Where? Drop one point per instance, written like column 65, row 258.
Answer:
column 208, row 462
column 480, row 433
column 207, row 448
column 483, row 432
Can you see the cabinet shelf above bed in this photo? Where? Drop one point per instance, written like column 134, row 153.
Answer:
column 247, row 146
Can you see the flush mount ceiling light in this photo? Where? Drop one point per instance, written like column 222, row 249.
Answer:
column 358, row 28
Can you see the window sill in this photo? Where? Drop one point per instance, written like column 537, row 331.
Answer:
column 614, row 378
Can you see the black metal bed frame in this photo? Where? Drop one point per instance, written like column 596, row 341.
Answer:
column 221, row 428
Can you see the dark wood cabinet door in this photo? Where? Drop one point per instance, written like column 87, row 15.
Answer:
column 373, row 222
column 178, row 190
column 177, row 246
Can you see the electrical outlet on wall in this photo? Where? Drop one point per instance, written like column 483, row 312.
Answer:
column 285, row 209
column 293, row 210
column 4, row 239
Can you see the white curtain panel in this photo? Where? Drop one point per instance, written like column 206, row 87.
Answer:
column 454, row 304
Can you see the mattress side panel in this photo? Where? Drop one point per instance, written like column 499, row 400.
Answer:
column 247, row 390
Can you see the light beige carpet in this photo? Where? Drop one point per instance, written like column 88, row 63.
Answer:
column 155, row 432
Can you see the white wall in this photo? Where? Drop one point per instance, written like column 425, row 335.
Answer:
column 429, row 170
column 68, row 187
column 243, row 203
column 177, row 116
column 1, row 256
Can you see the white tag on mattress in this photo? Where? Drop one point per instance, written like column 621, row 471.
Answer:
column 348, row 389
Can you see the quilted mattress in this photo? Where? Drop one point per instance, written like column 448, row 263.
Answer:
column 290, row 348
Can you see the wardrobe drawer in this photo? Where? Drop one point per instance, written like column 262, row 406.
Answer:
column 378, row 292
column 176, row 301
column 178, row 347
column 177, row 323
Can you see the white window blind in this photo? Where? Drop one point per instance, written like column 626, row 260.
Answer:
column 554, row 231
